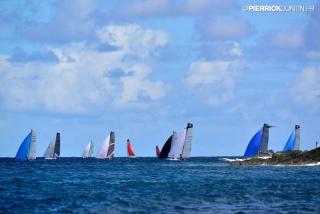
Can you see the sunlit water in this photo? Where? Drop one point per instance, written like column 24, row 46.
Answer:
column 149, row 185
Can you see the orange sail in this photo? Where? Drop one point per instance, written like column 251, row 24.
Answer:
column 157, row 151
column 130, row 149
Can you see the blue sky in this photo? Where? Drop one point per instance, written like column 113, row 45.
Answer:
column 145, row 68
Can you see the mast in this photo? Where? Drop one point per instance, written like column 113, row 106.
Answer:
column 297, row 141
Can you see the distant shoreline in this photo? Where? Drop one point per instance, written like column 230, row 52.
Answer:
column 293, row 158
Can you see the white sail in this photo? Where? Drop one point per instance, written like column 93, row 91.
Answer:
column 32, row 148
column 103, row 151
column 177, row 145
column 186, row 151
column 88, row 151
column 49, row 153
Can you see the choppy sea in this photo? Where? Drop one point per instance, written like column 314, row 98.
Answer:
column 150, row 185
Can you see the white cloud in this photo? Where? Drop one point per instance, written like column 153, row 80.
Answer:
column 307, row 88
column 140, row 42
column 215, row 80
column 137, row 86
column 82, row 79
column 235, row 50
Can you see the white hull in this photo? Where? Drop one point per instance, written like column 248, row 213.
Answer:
column 174, row 159
column 50, row 158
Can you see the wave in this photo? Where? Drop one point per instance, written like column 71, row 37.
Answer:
column 264, row 157
column 312, row 164
column 233, row 159
column 307, row 164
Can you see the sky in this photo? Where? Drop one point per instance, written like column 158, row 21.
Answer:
column 143, row 68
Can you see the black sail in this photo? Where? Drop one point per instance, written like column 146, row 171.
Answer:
column 110, row 153
column 57, row 145
column 166, row 149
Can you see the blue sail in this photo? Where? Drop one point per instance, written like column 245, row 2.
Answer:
column 291, row 142
column 23, row 151
column 254, row 145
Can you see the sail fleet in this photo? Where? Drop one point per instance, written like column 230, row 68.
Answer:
column 176, row 147
column 258, row 145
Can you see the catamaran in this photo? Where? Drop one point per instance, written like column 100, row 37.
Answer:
column 293, row 142
column 53, row 150
column 106, row 150
column 88, row 150
column 258, row 145
column 178, row 145
column 27, row 149
column 130, row 150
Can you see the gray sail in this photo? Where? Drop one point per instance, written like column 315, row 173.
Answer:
column 265, row 139
column 32, row 148
column 50, row 150
column 297, row 138
column 186, row 151
column 53, row 150
column 110, row 154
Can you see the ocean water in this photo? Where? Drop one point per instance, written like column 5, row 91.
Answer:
column 150, row 185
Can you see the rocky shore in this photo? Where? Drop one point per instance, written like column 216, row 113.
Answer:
column 286, row 158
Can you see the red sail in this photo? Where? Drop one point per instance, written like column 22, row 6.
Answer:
column 157, row 151
column 130, row 150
